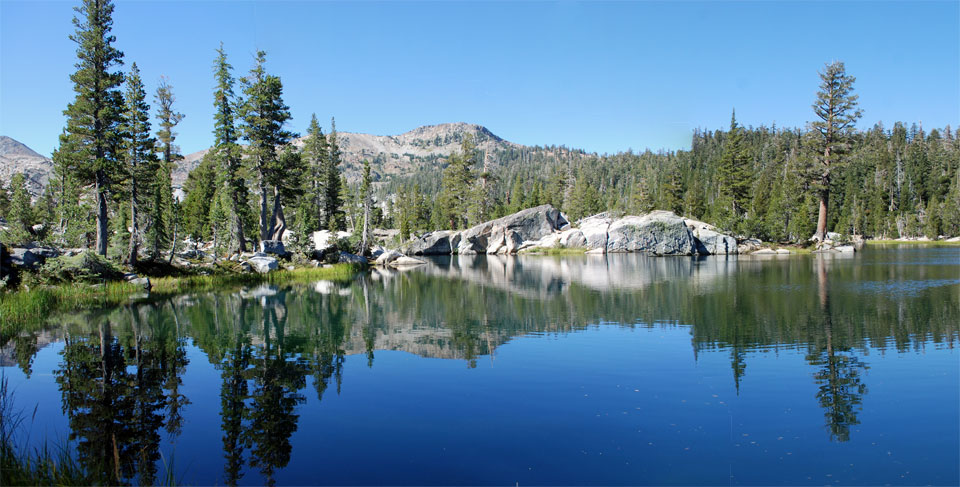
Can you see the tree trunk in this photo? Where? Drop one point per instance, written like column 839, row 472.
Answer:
column 173, row 244
column 822, row 217
column 278, row 223
column 132, row 255
column 821, row 234
column 238, row 223
column 101, row 181
column 366, row 219
column 265, row 226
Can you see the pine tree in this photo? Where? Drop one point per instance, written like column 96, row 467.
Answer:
column 365, row 197
column 228, row 154
column 932, row 221
column 671, row 191
column 837, row 113
column 264, row 115
column 165, row 213
column 285, row 176
column 642, row 199
column 200, row 187
column 315, row 153
column 94, row 117
column 69, row 214
column 4, row 200
column 20, row 215
column 139, row 154
column 453, row 201
column 734, row 172
column 333, row 217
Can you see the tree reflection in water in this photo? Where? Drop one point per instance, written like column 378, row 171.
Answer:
column 122, row 369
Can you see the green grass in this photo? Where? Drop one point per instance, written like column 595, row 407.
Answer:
column 555, row 251
column 41, row 466
column 19, row 308
column 930, row 243
column 24, row 307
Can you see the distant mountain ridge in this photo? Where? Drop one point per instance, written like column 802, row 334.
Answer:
column 16, row 157
column 389, row 155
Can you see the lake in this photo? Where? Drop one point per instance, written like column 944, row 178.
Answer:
column 617, row 369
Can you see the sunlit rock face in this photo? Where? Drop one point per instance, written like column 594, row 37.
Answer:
column 657, row 233
column 506, row 235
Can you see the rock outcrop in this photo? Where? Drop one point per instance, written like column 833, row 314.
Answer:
column 709, row 240
column 656, row 233
column 274, row 247
column 506, row 235
column 262, row 263
column 434, row 243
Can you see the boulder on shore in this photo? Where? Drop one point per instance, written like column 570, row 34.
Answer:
column 405, row 261
column 594, row 230
column 527, row 225
column 433, row 243
column 710, row 241
column 388, row 257
column 274, row 247
column 262, row 263
column 656, row 233
column 348, row 258
column 324, row 240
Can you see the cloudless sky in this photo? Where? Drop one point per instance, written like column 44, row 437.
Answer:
column 604, row 77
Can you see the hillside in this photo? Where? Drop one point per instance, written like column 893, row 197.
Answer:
column 16, row 157
column 390, row 155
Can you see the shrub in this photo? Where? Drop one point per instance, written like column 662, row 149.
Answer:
column 85, row 267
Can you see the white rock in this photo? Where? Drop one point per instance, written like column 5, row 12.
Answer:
column 263, row 264
column 405, row 261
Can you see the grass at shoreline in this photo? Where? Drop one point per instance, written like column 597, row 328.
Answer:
column 22, row 307
column 555, row 251
column 931, row 243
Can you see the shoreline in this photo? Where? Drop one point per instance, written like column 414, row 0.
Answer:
column 23, row 307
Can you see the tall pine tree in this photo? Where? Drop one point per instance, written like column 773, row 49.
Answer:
column 139, row 155
column 233, row 203
column 734, row 174
column 333, row 217
column 93, row 118
column 164, row 212
column 837, row 113
column 264, row 115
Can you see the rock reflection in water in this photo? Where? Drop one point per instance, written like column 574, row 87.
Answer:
column 121, row 368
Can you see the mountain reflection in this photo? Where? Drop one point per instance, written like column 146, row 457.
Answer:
column 121, row 369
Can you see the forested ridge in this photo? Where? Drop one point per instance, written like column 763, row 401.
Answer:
column 895, row 182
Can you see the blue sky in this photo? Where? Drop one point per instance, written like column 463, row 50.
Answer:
column 605, row 77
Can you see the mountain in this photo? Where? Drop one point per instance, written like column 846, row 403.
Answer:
column 390, row 155
column 16, row 157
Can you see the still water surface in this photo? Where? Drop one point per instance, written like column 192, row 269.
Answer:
column 619, row 369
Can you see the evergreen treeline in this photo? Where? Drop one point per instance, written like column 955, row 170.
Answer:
column 762, row 182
